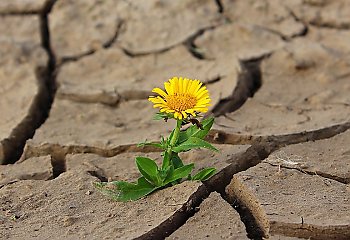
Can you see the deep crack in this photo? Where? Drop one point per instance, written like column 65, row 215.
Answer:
column 192, row 47
column 179, row 218
column 40, row 108
column 58, row 165
column 220, row 6
column 249, row 82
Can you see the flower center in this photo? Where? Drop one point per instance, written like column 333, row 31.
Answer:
column 181, row 101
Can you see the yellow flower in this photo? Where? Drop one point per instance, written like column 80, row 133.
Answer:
column 183, row 96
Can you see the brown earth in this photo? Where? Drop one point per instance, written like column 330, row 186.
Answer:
column 74, row 81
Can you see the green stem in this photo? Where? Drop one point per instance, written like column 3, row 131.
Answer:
column 173, row 141
column 175, row 137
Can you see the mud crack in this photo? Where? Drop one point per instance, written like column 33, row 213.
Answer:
column 192, row 47
column 220, row 6
column 261, row 148
column 57, row 149
column 179, row 218
column 249, row 82
column 109, row 43
column 40, row 108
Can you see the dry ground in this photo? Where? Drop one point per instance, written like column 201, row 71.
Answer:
column 74, row 81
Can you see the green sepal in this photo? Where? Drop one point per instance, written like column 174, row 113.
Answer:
column 204, row 174
column 193, row 142
column 162, row 115
column 149, row 169
column 123, row 191
column 194, row 131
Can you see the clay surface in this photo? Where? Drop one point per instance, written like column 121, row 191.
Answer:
column 221, row 221
column 75, row 76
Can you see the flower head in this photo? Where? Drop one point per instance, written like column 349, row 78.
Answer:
column 182, row 96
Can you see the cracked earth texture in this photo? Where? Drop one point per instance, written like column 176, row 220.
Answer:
column 75, row 77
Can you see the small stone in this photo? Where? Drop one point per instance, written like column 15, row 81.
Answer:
column 88, row 192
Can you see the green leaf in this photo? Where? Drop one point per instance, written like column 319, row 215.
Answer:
column 166, row 160
column 124, row 191
column 177, row 162
column 204, row 174
column 194, row 131
column 170, row 137
column 149, row 169
column 193, row 142
column 179, row 173
column 154, row 144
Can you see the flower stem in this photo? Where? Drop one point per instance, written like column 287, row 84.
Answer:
column 173, row 141
column 175, row 137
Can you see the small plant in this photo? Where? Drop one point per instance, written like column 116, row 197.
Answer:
column 182, row 100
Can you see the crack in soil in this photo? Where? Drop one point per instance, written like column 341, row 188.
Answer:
column 318, row 22
column 179, row 218
column 98, row 174
column 190, row 45
column 254, row 231
column 340, row 26
column 303, row 32
column 45, row 9
column 261, row 148
column 249, row 82
column 57, row 149
column 40, row 107
column 309, row 231
column 214, row 136
column 220, row 6
column 58, row 163
column 220, row 137
column 241, row 162
column 314, row 173
column 39, row 110
column 109, row 43
column 105, row 98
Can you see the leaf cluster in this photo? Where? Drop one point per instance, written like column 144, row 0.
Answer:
column 172, row 170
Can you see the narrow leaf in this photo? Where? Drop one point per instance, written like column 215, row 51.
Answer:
column 194, row 131
column 153, row 144
column 166, row 160
column 124, row 191
column 179, row 173
column 148, row 168
column 204, row 174
column 191, row 143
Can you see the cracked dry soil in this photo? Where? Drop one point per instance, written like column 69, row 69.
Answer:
column 74, row 82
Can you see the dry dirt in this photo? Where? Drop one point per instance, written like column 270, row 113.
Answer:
column 74, row 81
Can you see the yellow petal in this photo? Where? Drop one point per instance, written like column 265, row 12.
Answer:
column 168, row 88
column 175, row 84
column 160, row 92
column 194, row 85
column 185, row 84
column 189, row 84
column 201, row 91
column 180, row 82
